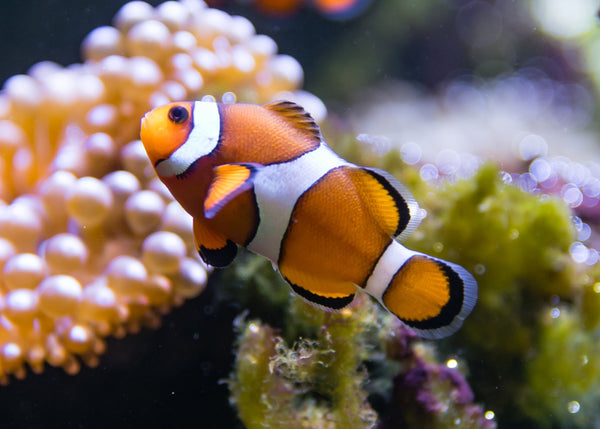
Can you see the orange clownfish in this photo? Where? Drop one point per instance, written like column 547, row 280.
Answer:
column 262, row 177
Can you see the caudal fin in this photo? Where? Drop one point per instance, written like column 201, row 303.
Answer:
column 431, row 296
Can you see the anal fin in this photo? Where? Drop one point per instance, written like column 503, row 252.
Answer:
column 214, row 248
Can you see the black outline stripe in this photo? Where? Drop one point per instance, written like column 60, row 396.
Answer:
column 297, row 157
column 257, row 223
column 325, row 301
column 401, row 204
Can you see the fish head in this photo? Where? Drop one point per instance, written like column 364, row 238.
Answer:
column 165, row 129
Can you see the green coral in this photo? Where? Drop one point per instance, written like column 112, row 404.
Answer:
column 565, row 369
column 525, row 367
column 313, row 383
column 517, row 245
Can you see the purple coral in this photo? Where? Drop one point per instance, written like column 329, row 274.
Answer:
column 428, row 394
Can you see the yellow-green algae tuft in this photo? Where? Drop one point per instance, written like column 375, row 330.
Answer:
column 517, row 244
column 562, row 375
column 530, row 342
column 312, row 383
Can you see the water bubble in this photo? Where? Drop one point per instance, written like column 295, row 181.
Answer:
column 533, row 146
column 577, row 174
column 572, row 195
column 592, row 187
column 551, row 181
column 411, row 152
column 479, row 269
column 448, row 161
column 597, row 287
column 555, row 313
column 584, row 232
column 379, row 145
column 527, row 182
column 594, row 167
column 469, row 164
column 540, row 169
column 228, row 97
column 573, row 407
column 590, row 202
column 429, row 172
column 489, row 415
column 579, row 252
column 452, row 363
column 565, row 19
column 593, row 257
column 577, row 222
column 560, row 164
column 505, row 177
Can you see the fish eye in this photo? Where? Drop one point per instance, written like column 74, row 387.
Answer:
column 178, row 114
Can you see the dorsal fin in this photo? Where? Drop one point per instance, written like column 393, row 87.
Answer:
column 296, row 116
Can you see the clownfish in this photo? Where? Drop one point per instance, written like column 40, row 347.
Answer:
column 263, row 177
column 334, row 9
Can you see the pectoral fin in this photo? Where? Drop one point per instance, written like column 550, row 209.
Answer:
column 229, row 181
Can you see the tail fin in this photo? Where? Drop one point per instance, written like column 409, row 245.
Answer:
column 431, row 296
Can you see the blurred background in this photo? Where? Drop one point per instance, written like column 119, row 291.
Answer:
column 451, row 83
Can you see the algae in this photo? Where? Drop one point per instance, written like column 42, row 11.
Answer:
column 312, row 383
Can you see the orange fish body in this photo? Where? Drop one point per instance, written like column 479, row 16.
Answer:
column 263, row 178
